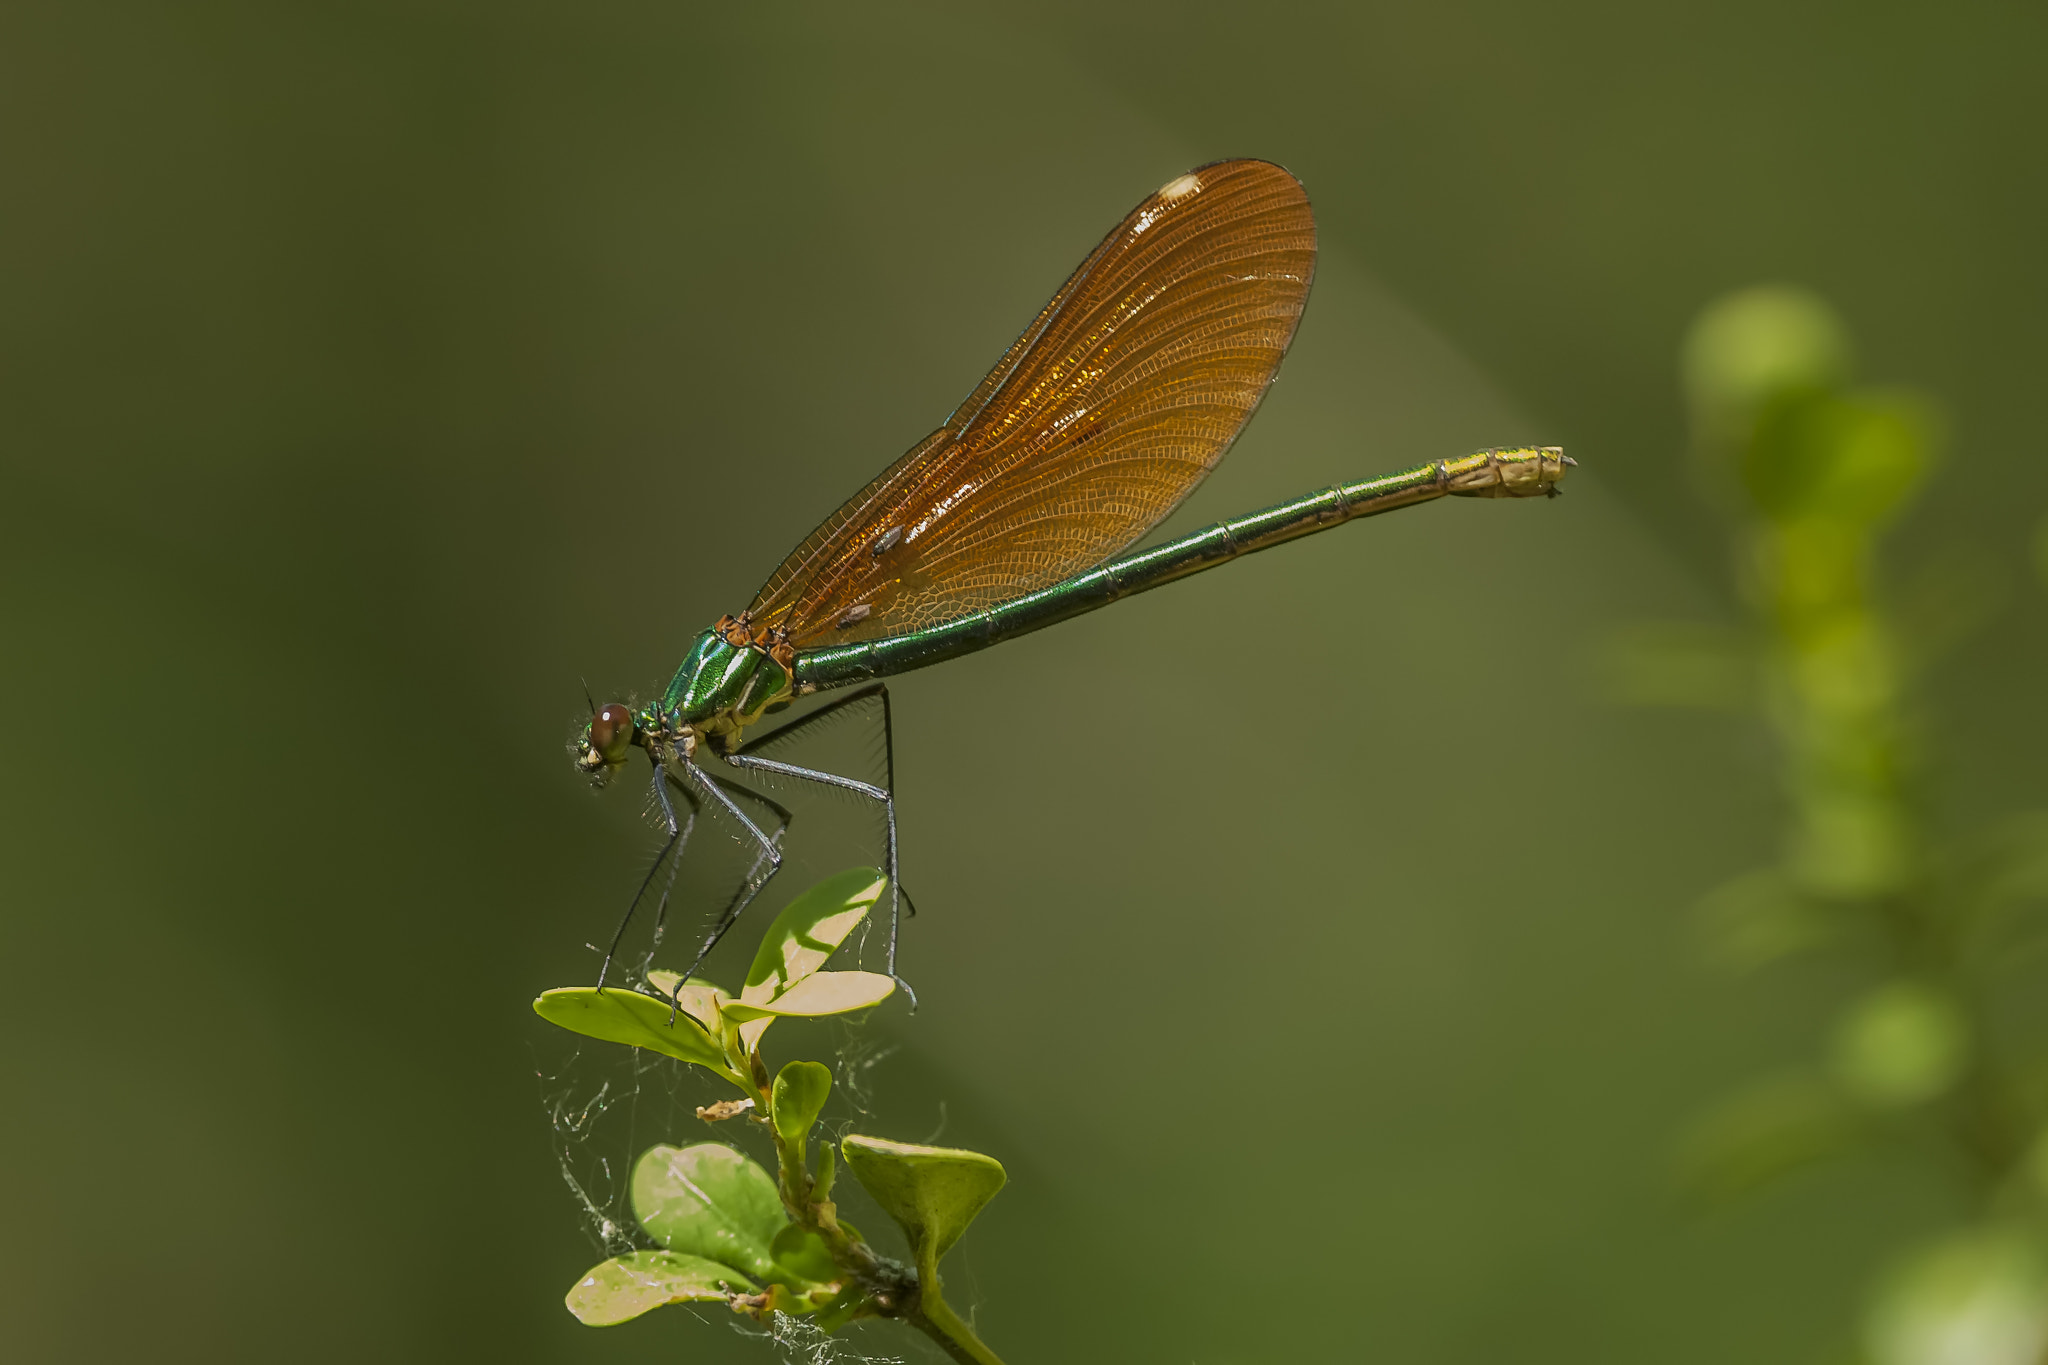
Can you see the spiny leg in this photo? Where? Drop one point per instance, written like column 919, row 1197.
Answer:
column 676, row 835
column 758, row 746
column 770, row 853
column 749, row 756
column 851, row 784
column 675, row 865
column 784, row 818
column 811, row 719
column 749, row 887
column 883, row 797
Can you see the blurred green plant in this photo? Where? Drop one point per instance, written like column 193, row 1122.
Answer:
column 1936, row 1051
column 723, row 1229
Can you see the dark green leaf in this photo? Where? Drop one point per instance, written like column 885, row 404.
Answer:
column 827, row 1168
column 1851, row 459
column 799, row 1096
column 1766, row 1133
column 627, row 1286
column 804, row 1255
column 841, row 1310
column 1760, row 917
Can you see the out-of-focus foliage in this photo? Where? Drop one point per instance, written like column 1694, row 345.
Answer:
column 1928, row 1056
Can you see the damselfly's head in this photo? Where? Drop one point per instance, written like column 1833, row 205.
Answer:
column 602, row 748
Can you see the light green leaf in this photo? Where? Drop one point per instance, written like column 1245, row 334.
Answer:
column 636, row 1020
column 819, row 994
column 627, row 1286
column 1753, row 345
column 798, row 1097
column 809, row 929
column 1900, row 1044
column 932, row 1192
column 1979, row 1297
column 699, row 998
column 707, row 1200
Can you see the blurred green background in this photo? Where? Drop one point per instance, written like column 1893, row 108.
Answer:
column 370, row 374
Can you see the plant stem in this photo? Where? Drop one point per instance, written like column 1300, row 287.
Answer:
column 893, row 1290
column 939, row 1322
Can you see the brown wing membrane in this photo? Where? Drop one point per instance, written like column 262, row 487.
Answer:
column 1112, row 406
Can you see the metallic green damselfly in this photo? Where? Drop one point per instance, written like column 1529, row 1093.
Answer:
column 1108, row 411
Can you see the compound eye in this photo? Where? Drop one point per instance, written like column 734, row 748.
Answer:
column 611, row 732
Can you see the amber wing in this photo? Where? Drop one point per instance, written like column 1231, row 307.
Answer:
column 1113, row 405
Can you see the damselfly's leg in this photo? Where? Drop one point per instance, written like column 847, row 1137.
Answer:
column 748, row 757
column 671, row 853
column 784, row 817
column 859, row 788
column 768, row 856
column 675, row 865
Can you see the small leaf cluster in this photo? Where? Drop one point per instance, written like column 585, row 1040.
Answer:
column 1938, row 1051
column 725, row 1229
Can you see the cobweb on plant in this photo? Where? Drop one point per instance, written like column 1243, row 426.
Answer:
column 606, row 1105
column 801, row 1343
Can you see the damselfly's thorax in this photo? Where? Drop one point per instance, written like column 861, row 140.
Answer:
column 732, row 676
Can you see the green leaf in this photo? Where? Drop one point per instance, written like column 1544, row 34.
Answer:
column 1979, row 1296
column 636, row 1020
column 821, row 1189
column 627, row 1286
column 804, row 1255
column 809, row 929
column 820, row 994
column 841, row 1310
column 751, row 1031
column 799, row 1096
column 1900, row 1044
column 1751, row 346
column 1767, row 1132
column 932, row 1192
column 699, row 998
column 1848, row 459
column 708, row 1200
column 1760, row 917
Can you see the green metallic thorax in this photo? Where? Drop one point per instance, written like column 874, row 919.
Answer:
column 721, row 688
